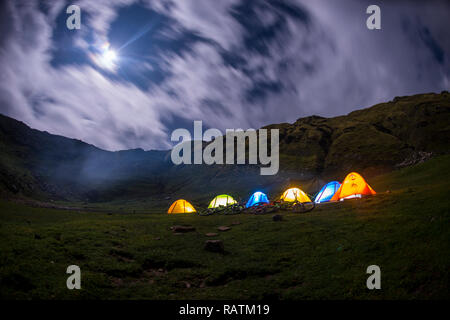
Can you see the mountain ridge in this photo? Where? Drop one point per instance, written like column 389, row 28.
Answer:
column 313, row 149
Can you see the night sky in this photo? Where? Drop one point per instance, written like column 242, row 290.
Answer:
column 232, row 64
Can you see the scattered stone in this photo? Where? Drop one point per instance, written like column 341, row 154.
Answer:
column 214, row 246
column 117, row 282
column 235, row 223
column 388, row 191
column 223, row 228
column 416, row 157
column 182, row 229
column 188, row 285
column 277, row 217
column 211, row 234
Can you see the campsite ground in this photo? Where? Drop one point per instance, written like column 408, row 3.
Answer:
column 318, row 255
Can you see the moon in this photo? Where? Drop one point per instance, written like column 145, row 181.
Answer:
column 109, row 57
column 106, row 58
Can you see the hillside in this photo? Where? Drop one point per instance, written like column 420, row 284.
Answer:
column 126, row 249
column 318, row 255
column 372, row 140
column 38, row 164
column 378, row 139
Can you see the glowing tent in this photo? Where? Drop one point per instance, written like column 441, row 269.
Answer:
column 257, row 197
column 327, row 192
column 222, row 200
column 181, row 206
column 354, row 186
column 295, row 194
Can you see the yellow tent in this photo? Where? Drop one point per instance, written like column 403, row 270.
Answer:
column 222, row 200
column 181, row 206
column 295, row 194
column 354, row 186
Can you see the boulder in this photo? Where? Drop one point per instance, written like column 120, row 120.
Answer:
column 214, row 246
column 223, row 228
column 277, row 217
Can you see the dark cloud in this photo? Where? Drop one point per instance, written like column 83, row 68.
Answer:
column 230, row 63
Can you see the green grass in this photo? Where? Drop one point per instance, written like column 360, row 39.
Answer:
column 319, row 255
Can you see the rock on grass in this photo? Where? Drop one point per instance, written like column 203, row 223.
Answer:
column 214, row 246
column 277, row 217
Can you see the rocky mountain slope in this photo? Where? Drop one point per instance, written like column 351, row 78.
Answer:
column 312, row 150
column 370, row 140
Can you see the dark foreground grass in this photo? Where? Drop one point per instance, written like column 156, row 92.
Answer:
column 319, row 255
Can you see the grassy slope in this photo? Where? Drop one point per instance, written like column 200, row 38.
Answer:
column 319, row 255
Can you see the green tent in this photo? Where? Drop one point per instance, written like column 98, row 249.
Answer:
column 222, row 200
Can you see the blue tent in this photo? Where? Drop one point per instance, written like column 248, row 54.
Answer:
column 257, row 197
column 327, row 192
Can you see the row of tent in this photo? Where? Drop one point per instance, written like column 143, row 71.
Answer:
column 353, row 186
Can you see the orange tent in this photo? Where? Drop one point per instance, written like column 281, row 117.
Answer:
column 295, row 194
column 181, row 206
column 354, row 186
